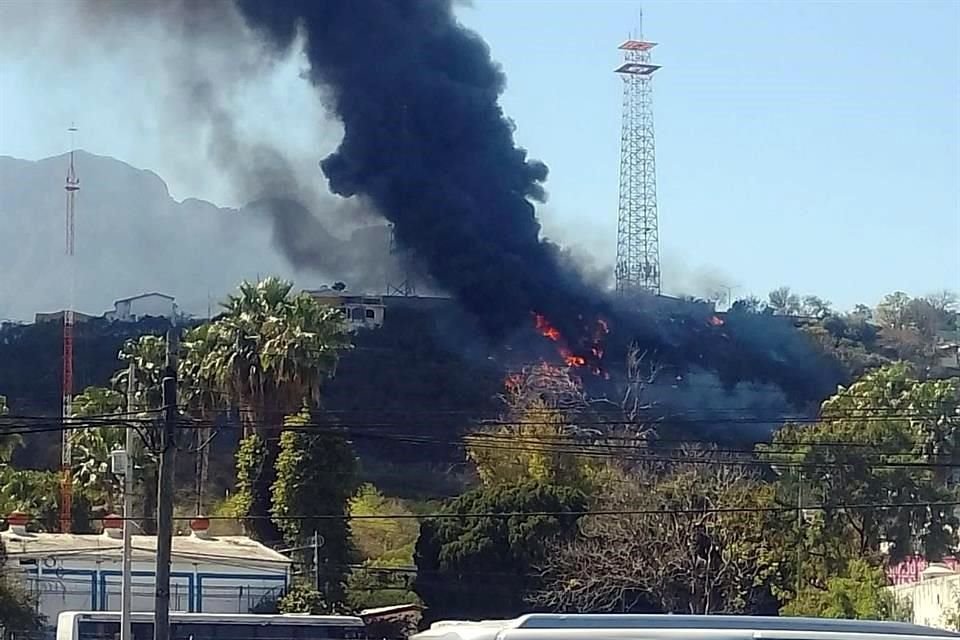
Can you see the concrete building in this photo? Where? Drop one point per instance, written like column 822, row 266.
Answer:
column 948, row 350
column 361, row 311
column 145, row 305
column 57, row 316
column 934, row 597
column 225, row 574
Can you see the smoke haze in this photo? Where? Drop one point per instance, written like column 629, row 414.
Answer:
column 204, row 88
column 423, row 142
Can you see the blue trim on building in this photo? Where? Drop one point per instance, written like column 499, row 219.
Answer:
column 98, row 592
column 233, row 576
column 76, row 572
column 146, row 574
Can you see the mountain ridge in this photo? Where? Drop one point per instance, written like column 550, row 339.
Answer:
column 132, row 236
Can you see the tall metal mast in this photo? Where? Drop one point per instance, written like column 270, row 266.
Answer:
column 66, row 481
column 407, row 286
column 638, row 240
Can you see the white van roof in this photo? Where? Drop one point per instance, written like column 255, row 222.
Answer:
column 491, row 629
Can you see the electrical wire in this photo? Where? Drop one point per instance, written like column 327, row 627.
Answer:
column 601, row 513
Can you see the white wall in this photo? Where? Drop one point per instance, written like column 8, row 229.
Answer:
column 156, row 306
column 932, row 599
column 369, row 316
column 70, row 583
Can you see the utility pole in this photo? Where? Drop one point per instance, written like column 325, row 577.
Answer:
column 316, row 560
column 126, row 585
column 799, row 534
column 161, row 610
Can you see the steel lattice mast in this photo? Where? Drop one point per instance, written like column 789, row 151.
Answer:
column 638, row 240
column 66, row 454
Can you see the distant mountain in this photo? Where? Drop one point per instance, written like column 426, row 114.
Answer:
column 131, row 237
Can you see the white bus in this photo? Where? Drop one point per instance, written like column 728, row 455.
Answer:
column 676, row 627
column 105, row 625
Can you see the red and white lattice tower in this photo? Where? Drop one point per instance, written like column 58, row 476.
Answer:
column 66, row 454
column 638, row 239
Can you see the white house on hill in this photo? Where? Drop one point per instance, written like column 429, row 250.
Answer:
column 82, row 572
column 360, row 311
column 156, row 305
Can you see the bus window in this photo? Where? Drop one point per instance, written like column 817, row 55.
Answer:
column 141, row 630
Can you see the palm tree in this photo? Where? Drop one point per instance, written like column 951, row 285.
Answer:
column 268, row 354
column 200, row 399
column 91, row 446
column 147, row 354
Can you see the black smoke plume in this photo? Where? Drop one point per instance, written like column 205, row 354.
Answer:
column 427, row 144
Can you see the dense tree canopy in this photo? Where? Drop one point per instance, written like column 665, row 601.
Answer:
column 675, row 549
column 878, row 442
column 268, row 355
column 481, row 566
column 315, row 479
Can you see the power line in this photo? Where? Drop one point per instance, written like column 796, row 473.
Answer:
column 874, row 506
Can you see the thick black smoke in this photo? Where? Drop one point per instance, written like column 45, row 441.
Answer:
column 426, row 142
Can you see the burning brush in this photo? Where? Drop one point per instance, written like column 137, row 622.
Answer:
column 589, row 355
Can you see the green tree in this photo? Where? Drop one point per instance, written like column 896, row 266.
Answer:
column 782, row 301
column 385, row 546
column 147, row 354
column 706, row 540
column 547, row 454
column 860, row 593
column 91, row 446
column 8, row 441
column 893, row 310
column 302, row 598
column 267, row 354
column 250, row 459
column 910, row 326
column 544, row 404
column 386, row 538
column 816, row 307
column 850, row 339
column 33, row 492
column 750, row 304
column 873, row 445
column 17, row 611
column 460, row 555
column 315, row 479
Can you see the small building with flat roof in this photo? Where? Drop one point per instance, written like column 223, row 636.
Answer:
column 82, row 572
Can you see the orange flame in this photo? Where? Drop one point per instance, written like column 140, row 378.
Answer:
column 546, row 329
column 572, row 359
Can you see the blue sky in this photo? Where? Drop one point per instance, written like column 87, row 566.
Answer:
column 810, row 144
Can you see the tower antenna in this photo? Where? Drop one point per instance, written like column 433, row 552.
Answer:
column 72, row 186
column 407, row 285
column 638, row 239
column 400, row 255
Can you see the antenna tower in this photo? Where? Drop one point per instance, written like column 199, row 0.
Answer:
column 66, row 480
column 638, row 239
column 407, row 286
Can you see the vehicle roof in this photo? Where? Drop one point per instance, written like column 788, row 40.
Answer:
column 700, row 622
column 238, row 617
